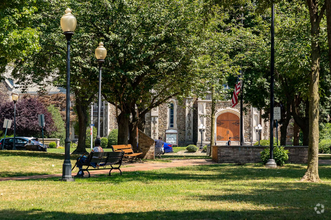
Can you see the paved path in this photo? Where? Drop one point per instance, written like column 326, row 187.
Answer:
column 186, row 153
column 132, row 167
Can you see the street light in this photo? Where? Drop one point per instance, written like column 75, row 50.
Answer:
column 68, row 25
column 202, row 129
column 271, row 162
column 100, row 54
column 154, row 121
column 14, row 97
column 259, row 129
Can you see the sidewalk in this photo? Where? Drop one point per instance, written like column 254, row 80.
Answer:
column 132, row 167
column 186, row 153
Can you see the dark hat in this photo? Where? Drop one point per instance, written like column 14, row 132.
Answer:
column 97, row 142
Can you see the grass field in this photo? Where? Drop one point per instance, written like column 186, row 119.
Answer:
column 220, row 191
column 177, row 149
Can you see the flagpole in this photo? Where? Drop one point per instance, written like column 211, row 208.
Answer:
column 241, row 96
column 241, row 112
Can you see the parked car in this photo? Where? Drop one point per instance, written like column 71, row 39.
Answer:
column 22, row 143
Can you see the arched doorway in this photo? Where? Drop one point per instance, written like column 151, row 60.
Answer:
column 227, row 126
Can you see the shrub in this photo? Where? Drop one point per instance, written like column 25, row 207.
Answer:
column 112, row 137
column 204, row 148
column 266, row 142
column 104, row 142
column 59, row 124
column 191, row 148
column 7, row 136
column 73, row 145
column 324, row 146
column 52, row 145
column 325, row 131
column 280, row 155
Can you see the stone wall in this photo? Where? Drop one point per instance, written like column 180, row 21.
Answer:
column 4, row 96
column 146, row 146
column 181, row 116
column 148, row 125
column 112, row 118
column 162, row 119
column 251, row 154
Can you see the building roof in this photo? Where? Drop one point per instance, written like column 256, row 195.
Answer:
column 46, row 86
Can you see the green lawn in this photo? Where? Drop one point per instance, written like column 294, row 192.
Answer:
column 177, row 149
column 220, row 191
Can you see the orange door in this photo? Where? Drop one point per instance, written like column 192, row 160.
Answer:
column 227, row 126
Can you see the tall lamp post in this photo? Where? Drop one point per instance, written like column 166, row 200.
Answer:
column 202, row 129
column 258, row 129
column 14, row 97
column 68, row 25
column 271, row 162
column 100, row 54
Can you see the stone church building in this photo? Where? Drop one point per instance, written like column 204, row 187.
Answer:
column 178, row 123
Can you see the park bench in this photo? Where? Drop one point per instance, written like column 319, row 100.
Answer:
column 127, row 149
column 105, row 160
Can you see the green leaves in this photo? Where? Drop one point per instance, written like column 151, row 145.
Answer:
column 19, row 36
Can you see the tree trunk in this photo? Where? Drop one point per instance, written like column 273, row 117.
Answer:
column 123, row 120
column 133, row 127
column 303, row 122
column 286, row 117
column 296, row 134
column 312, row 169
column 142, row 122
column 283, row 131
column 212, row 121
column 328, row 20
column 305, row 133
column 133, row 136
column 82, row 115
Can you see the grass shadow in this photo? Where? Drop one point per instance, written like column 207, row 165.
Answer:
column 270, row 214
column 213, row 173
column 35, row 154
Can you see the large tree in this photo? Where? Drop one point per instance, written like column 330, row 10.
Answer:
column 150, row 44
column 316, row 13
column 27, row 111
column 18, row 36
column 50, row 60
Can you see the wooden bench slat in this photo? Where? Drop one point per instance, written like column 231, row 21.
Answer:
column 132, row 155
column 127, row 149
column 122, row 146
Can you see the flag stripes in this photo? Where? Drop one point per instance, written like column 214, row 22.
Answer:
column 236, row 91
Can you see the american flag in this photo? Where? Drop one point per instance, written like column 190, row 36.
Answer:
column 236, row 91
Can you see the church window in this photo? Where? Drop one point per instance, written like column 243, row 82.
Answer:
column 171, row 115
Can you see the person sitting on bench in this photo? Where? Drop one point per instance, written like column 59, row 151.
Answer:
column 82, row 159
